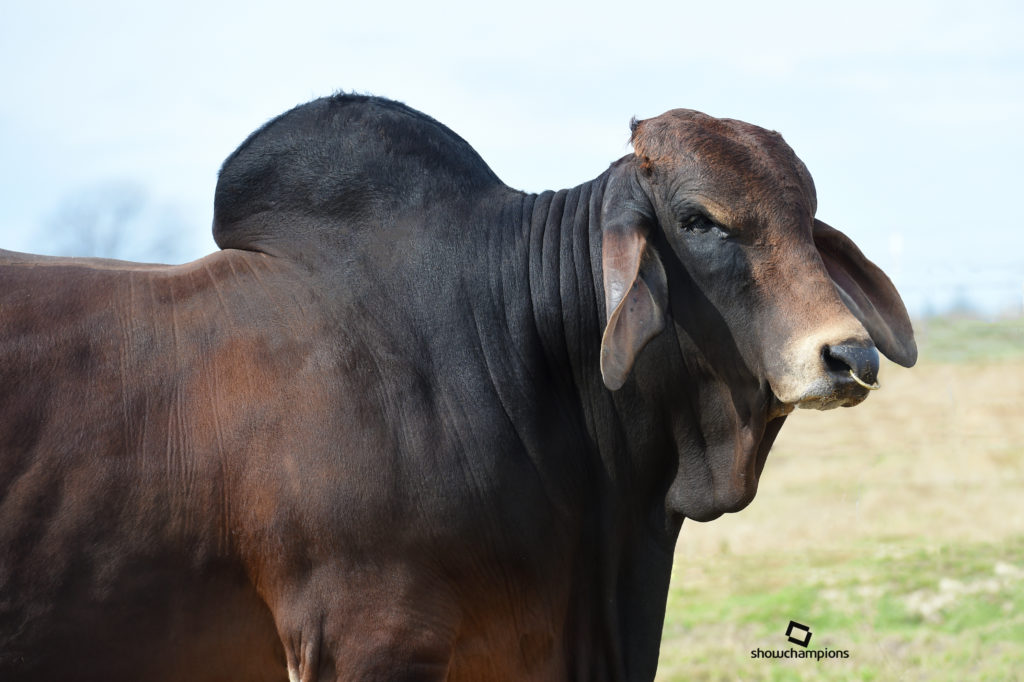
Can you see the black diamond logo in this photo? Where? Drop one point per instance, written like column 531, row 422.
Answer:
column 800, row 630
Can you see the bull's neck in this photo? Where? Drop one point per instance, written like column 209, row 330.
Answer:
column 562, row 234
column 621, row 581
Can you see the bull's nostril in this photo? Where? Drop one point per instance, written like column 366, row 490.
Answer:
column 833, row 364
column 852, row 359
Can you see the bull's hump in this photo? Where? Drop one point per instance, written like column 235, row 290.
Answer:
column 337, row 164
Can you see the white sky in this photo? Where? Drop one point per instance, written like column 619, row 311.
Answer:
column 909, row 115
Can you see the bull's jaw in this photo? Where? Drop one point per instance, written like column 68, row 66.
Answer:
column 824, row 395
column 828, row 393
column 779, row 409
column 832, row 401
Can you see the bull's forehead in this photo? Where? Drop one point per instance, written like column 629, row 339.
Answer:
column 740, row 169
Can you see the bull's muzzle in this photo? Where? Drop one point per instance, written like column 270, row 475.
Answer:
column 855, row 361
column 849, row 373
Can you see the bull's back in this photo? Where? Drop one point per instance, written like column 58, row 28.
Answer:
column 116, row 559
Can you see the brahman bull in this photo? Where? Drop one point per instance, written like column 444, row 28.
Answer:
column 411, row 424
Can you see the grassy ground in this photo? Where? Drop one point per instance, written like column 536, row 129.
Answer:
column 894, row 530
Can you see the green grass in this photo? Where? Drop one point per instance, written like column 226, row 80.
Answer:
column 903, row 609
column 966, row 339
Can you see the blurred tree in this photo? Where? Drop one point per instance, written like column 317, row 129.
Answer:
column 115, row 220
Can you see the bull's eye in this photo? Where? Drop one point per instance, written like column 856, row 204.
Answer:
column 698, row 222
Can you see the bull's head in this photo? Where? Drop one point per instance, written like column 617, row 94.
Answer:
column 719, row 214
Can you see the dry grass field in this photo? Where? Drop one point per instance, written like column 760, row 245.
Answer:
column 894, row 530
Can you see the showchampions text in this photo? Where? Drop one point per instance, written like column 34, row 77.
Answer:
column 816, row 654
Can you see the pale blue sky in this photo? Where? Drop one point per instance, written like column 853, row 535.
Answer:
column 909, row 115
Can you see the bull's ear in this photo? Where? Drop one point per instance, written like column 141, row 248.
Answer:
column 635, row 287
column 868, row 293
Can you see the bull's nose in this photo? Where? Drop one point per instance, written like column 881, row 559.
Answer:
column 856, row 360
